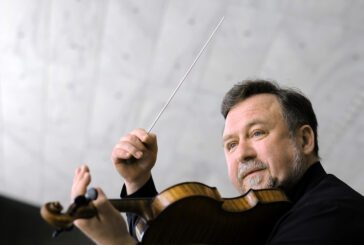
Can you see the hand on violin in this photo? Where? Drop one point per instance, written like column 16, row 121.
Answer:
column 134, row 157
column 108, row 227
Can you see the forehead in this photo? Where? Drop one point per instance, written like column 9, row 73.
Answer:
column 258, row 108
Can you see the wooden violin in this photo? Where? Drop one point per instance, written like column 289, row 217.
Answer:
column 190, row 213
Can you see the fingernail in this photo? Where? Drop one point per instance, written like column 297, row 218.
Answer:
column 139, row 154
column 125, row 154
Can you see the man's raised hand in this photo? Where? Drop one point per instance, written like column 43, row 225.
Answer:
column 134, row 157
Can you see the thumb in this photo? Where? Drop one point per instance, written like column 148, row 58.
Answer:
column 102, row 203
column 101, row 196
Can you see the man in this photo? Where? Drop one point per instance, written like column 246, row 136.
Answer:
column 270, row 140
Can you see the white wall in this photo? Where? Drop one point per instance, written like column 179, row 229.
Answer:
column 77, row 75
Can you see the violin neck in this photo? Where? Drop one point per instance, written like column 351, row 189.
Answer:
column 139, row 206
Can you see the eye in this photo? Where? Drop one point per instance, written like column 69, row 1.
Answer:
column 258, row 133
column 230, row 145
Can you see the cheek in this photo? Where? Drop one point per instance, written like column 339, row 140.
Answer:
column 232, row 171
column 279, row 159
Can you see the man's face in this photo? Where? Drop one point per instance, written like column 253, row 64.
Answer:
column 258, row 148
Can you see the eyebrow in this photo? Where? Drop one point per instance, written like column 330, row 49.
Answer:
column 249, row 125
column 226, row 137
column 254, row 122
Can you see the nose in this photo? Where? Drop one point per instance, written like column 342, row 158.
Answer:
column 246, row 151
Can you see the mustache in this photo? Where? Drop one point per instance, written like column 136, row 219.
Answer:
column 246, row 166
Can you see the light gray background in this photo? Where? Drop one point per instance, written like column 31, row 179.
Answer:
column 75, row 76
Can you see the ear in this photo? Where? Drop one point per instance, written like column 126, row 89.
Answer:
column 306, row 139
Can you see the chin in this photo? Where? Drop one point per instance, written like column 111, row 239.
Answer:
column 257, row 186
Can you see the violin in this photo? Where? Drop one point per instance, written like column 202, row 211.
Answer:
column 190, row 213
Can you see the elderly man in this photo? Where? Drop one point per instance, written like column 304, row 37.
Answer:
column 270, row 140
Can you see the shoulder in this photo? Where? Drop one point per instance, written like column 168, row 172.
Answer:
column 329, row 212
column 331, row 192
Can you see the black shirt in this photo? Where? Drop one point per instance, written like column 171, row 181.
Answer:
column 325, row 211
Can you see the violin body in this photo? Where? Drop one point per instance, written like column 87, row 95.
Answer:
column 191, row 212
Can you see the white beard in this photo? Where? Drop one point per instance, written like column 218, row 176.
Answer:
column 298, row 168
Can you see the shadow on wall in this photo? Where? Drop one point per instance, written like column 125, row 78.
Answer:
column 21, row 223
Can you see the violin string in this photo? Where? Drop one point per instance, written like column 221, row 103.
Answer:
column 186, row 74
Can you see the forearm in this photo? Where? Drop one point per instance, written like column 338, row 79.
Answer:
column 147, row 190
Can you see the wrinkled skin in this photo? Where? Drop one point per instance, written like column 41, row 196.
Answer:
column 259, row 149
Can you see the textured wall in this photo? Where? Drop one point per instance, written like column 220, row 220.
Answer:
column 75, row 76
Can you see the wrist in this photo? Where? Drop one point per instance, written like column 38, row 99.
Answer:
column 136, row 184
